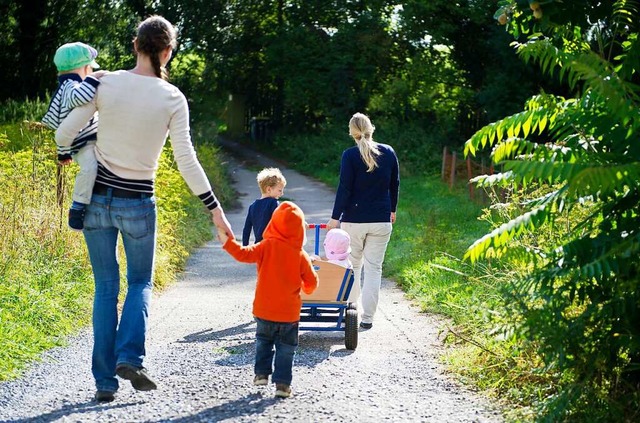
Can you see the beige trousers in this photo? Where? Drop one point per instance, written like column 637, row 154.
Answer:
column 368, row 246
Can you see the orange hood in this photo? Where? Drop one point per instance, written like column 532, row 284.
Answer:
column 287, row 225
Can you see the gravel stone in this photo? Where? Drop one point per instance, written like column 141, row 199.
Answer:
column 200, row 350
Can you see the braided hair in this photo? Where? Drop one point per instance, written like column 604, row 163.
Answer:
column 155, row 34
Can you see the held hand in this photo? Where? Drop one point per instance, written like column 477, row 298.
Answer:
column 393, row 217
column 333, row 223
column 221, row 222
column 65, row 162
column 222, row 236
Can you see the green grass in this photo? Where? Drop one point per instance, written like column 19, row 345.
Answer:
column 46, row 283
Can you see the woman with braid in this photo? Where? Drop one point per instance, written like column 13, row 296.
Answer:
column 366, row 203
column 138, row 107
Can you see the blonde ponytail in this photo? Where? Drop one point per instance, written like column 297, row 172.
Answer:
column 361, row 129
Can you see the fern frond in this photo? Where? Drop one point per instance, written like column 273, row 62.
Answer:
column 626, row 12
column 601, row 256
column 498, row 239
column 586, row 66
column 630, row 59
column 604, row 181
column 551, row 59
column 501, row 179
column 543, row 171
column 511, row 148
column 554, row 199
column 513, row 126
column 604, row 86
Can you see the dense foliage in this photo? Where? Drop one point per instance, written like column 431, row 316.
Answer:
column 580, row 303
column 437, row 64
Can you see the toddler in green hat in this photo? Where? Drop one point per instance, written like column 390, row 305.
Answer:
column 77, row 84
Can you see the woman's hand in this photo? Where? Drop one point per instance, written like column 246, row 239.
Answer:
column 222, row 236
column 333, row 223
column 393, row 217
column 221, row 222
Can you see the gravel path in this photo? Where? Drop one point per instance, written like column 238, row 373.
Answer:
column 200, row 351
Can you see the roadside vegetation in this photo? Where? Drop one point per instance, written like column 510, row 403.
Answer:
column 46, row 283
column 539, row 282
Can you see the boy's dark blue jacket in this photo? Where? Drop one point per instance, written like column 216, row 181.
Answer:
column 366, row 197
column 258, row 218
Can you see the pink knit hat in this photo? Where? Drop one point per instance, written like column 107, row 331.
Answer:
column 337, row 244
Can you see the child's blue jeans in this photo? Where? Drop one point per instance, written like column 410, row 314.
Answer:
column 282, row 336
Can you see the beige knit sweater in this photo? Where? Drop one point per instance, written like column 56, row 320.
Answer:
column 136, row 115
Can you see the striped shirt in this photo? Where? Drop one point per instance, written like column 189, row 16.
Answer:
column 72, row 92
column 110, row 179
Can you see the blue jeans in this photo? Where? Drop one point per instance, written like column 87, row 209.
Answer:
column 284, row 336
column 113, row 343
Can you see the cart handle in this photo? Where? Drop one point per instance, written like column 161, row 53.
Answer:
column 317, row 227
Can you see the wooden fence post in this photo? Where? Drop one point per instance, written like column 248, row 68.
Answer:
column 453, row 170
column 444, row 163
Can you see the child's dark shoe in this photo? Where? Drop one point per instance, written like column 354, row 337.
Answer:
column 104, row 396
column 260, row 380
column 283, row 390
column 76, row 219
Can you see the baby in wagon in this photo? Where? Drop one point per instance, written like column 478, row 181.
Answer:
column 337, row 246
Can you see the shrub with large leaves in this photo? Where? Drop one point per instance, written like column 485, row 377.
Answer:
column 581, row 302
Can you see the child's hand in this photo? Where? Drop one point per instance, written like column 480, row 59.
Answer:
column 222, row 235
column 64, row 162
column 98, row 74
column 314, row 257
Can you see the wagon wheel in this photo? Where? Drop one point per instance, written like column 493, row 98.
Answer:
column 351, row 329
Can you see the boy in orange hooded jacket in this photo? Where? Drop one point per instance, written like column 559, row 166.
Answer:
column 284, row 268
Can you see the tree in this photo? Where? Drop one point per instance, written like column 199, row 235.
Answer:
column 581, row 302
column 32, row 31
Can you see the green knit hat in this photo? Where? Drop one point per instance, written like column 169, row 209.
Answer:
column 75, row 55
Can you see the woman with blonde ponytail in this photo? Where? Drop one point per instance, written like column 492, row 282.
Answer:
column 365, row 207
column 137, row 107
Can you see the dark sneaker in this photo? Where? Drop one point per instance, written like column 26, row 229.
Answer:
column 138, row 377
column 104, row 396
column 364, row 325
column 283, row 390
column 76, row 219
column 261, row 380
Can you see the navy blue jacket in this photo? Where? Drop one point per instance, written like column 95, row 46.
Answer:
column 366, row 197
column 258, row 217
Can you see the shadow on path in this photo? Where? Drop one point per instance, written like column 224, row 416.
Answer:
column 253, row 404
column 90, row 406
column 208, row 335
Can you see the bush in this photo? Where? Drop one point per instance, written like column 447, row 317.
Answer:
column 13, row 111
column 46, row 283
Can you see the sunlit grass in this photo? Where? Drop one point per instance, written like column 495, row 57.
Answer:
column 46, row 283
